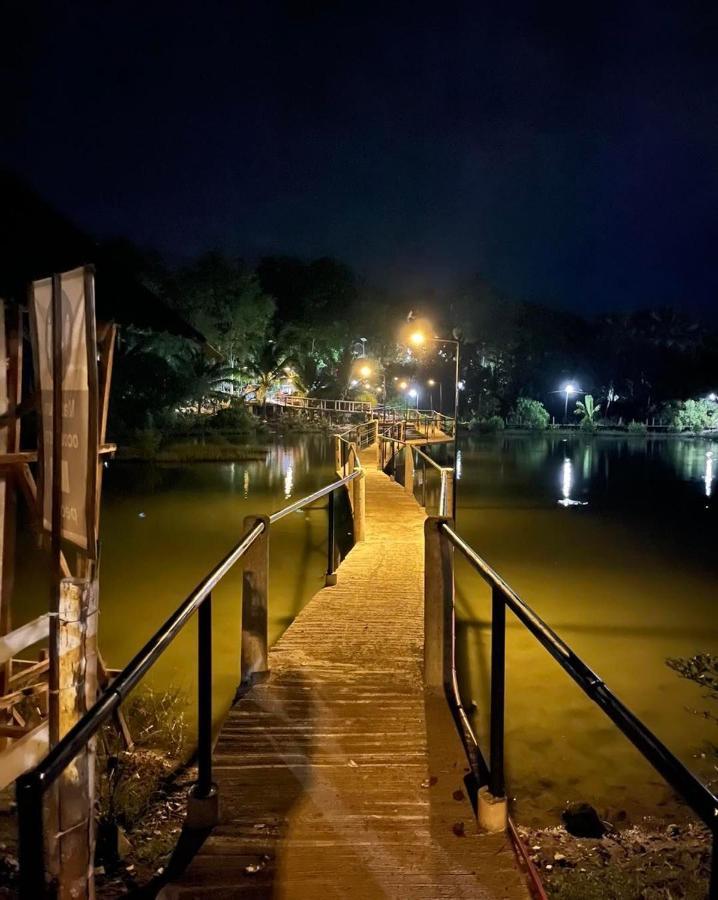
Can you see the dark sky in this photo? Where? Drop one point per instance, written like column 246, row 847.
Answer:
column 567, row 152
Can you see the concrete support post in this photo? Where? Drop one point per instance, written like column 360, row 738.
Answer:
column 446, row 494
column 72, row 845
column 338, row 456
column 409, row 469
column 255, row 589
column 438, row 605
column 359, row 488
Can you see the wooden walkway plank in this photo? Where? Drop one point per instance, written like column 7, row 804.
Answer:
column 338, row 776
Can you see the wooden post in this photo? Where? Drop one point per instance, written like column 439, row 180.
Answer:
column 409, row 469
column 376, row 431
column 446, row 493
column 9, row 443
column 71, row 849
column 359, row 490
column 338, row 456
column 255, row 588
column 438, row 605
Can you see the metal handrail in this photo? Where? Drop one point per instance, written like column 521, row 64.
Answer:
column 317, row 495
column 31, row 787
column 416, row 449
column 699, row 797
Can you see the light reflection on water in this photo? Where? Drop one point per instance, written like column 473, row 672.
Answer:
column 192, row 515
column 612, row 541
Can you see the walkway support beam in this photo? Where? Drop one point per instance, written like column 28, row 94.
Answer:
column 255, row 590
column 438, row 605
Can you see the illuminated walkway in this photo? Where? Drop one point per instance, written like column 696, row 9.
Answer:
column 338, row 778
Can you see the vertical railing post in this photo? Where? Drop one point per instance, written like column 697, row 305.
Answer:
column 255, row 587
column 359, row 508
column 203, row 800
column 713, row 877
column 423, row 482
column 409, row 469
column 492, row 805
column 498, row 690
column 330, row 579
column 438, row 605
column 31, row 845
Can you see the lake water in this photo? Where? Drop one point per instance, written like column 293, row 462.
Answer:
column 611, row 540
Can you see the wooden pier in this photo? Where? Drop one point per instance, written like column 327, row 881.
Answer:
column 339, row 776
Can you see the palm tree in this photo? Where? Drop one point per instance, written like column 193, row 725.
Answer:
column 208, row 379
column 265, row 369
column 587, row 409
column 311, row 375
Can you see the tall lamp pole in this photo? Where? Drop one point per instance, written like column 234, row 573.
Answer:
column 417, row 339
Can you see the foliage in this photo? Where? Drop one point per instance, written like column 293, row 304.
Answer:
column 265, row 369
column 234, row 418
column 226, row 303
column 127, row 780
column 146, row 442
column 693, row 415
column 488, row 425
column 637, row 427
column 588, row 410
column 529, row 414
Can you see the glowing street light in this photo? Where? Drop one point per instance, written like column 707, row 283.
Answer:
column 414, row 394
column 569, row 390
column 403, row 385
column 365, row 371
column 713, row 396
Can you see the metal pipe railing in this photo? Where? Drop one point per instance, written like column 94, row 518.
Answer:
column 32, row 786
column 697, row 795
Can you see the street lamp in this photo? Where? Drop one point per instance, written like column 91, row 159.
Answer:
column 568, row 390
column 418, row 339
column 365, row 371
column 414, row 394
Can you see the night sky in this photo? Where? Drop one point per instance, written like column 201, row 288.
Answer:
column 568, row 153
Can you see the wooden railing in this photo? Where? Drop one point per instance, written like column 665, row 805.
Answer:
column 319, row 404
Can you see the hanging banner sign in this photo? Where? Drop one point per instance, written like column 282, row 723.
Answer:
column 78, row 466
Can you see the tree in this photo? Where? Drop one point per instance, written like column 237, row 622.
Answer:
column 588, row 410
column 529, row 414
column 265, row 369
column 225, row 302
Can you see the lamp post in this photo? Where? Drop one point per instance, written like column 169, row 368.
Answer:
column 431, row 384
column 414, row 394
column 568, row 391
column 418, row 339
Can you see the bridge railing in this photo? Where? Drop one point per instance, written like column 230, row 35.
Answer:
column 430, row 483
column 252, row 550
column 319, row 404
column 440, row 672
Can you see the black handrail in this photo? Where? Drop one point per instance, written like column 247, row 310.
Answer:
column 696, row 794
column 31, row 787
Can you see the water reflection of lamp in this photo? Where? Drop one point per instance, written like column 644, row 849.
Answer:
column 246, row 483
column 708, row 477
column 288, row 482
column 566, row 482
column 458, row 465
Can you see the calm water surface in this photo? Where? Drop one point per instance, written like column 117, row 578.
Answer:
column 164, row 527
column 613, row 542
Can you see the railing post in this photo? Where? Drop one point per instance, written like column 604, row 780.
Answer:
column 359, row 508
column 330, row 579
column 203, row 800
column 492, row 806
column 255, row 584
column 337, row 454
column 438, row 605
column 409, row 469
column 31, row 845
column 423, row 482
column 446, row 492
column 376, row 431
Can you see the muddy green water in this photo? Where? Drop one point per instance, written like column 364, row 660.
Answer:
column 611, row 540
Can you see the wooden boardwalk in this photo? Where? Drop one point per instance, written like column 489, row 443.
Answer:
column 338, row 776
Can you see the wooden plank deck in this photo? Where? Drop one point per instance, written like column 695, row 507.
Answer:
column 338, row 777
